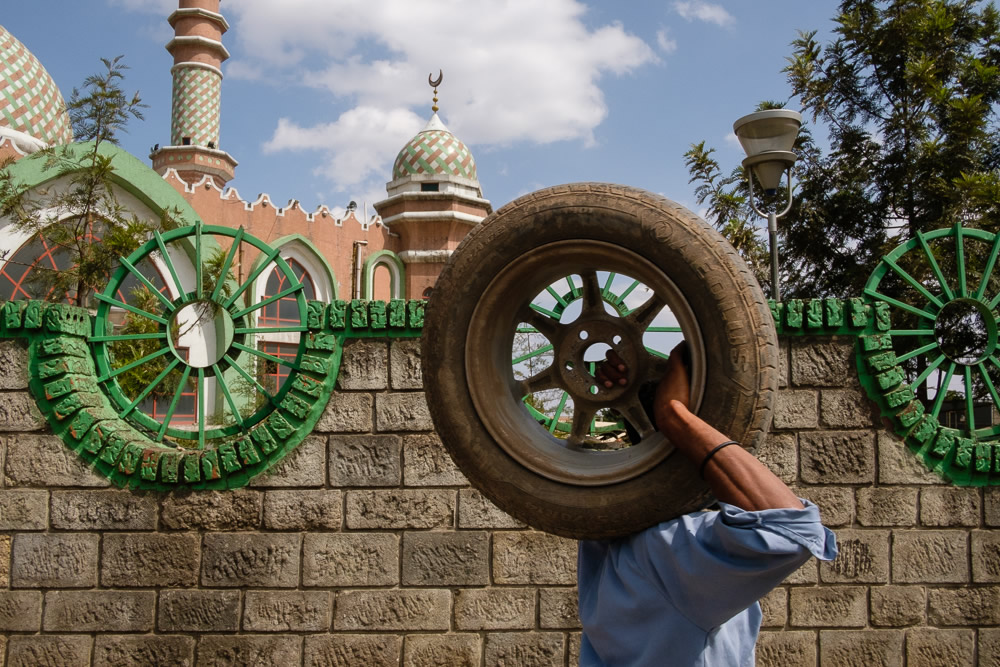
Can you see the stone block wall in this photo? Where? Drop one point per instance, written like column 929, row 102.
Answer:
column 367, row 547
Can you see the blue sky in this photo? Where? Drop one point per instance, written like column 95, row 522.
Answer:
column 319, row 95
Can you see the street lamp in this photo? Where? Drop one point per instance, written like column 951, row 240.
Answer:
column 767, row 138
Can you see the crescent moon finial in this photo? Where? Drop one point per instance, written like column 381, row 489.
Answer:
column 434, row 83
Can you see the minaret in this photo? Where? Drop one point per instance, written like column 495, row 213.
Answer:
column 434, row 200
column 197, row 90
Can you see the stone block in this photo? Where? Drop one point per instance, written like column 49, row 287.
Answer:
column 991, row 506
column 405, row 370
column 99, row 611
column 393, row 610
column 985, row 556
column 964, row 606
column 43, row 460
column 779, row 452
column 287, row 611
column 863, row 558
column 852, row 648
column 796, row 409
column 249, row 650
column 24, row 509
column 931, row 647
column 402, row 412
column 112, row 509
column 836, row 503
column 251, row 559
column 898, row 465
column 898, row 606
column 458, row 650
column 807, row 574
column 199, row 611
column 930, row 556
column 845, row 408
column 446, row 558
column 786, row 649
column 783, row 354
column 822, row 364
column 400, row 509
column 150, row 559
column 495, row 608
column 476, row 511
column 427, row 463
column 530, row 557
column 350, row 559
column 346, row 412
column 142, row 650
column 303, row 466
column 558, row 609
column 365, row 460
column 989, row 647
column 57, row 560
column 20, row 611
column 305, row 510
column 48, row 650
column 4, row 561
column 19, row 413
column 13, row 364
column 342, row 650
column 525, row 648
column 774, row 608
column 948, row 506
column 887, row 506
column 237, row 509
column 364, row 365
column 841, row 606
column 837, row 457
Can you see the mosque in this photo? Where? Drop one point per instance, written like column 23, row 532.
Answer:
column 433, row 197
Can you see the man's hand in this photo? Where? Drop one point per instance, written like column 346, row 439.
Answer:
column 611, row 371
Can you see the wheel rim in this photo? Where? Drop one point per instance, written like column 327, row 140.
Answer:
column 509, row 302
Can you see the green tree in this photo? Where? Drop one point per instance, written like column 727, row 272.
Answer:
column 82, row 218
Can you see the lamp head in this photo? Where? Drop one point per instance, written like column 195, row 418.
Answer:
column 767, row 138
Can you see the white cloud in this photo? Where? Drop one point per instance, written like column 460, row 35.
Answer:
column 732, row 140
column 514, row 70
column 699, row 10
column 665, row 42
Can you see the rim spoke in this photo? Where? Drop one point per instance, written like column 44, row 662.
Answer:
column 201, row 408
column 145, row 281
column 226, row 264
column 934, row 266
column 152, row 385
column 636, row 415
column 902, row 273
column 988, row 271
column 224, row 386
column 899, row 304
column 942, row 390
column 606, row 291
column 130, row 308
column 249, row 378
column 261, row 330
column 143, row 336
column 927, row 371
column 138, row 362
column 555, row 295
column 540, row 381
column 173, row 404
column 593, row 304
column 960, row 256
column 266, row 262
column 916, row 352
column 558, row 413
column 644, row 315
column 989, row 383
column 582, row 419
column 911, row 332
column 969, row 409
column 197, row 259
column 297, row 287
column 542, row 322
column 265, row 355
column 530, row 355
column 165, row 256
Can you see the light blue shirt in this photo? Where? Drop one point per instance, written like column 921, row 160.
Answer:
column 685, row 592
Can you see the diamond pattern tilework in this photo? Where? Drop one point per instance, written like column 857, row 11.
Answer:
column 435, row 152
column 195, row 114
column 31, row 102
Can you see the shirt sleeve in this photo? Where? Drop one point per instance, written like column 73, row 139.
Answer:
column 713, row 565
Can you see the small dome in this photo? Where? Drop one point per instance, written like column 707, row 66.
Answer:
column 435, row 150
column 31, row 103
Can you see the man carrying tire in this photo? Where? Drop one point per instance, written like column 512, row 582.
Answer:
column 685, row 592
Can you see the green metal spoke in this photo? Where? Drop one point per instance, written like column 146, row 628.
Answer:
column 161, row 335
column 934, row 266
column 628, row 290
column 657, row 353
column 559, row 410
column 606, row 291
column 913, row 281
column 990, row 264
column 572, row 287
column 960, row 256
column 173, row 404
column 917, row 352
column 149, row 388
column 526, row 330
column 246, row 376
column 266, row 262
column 264, row 330
column 529, row 355
column 131, row 309
column 227, row 263
column 911, row 332
column 170, row 265
column 221, row 383
column 264, row 355
column 197, row 259
column 927, row 371
column 899, row 304
column 664, row 330
column 201, row 408
column 544, row 311
column 989, row 383
column 268, row 301
column 968, row 399
column 135, row 364
column 555, row 295
column 145, row 281
column 942, row 390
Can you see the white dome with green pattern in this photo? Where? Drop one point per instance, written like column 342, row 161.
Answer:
column 31, row 107
column 435, row 151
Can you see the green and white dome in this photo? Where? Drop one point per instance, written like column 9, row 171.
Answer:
column 435, row 151
column 32, row 110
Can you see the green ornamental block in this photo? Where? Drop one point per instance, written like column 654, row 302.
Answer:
column 295, row 405
column 68, row 384
column 899, row 397
column 192, row 467
column 909, row 415
column 62, row 318
column 984, row 457
column 834, row 312
column 80, row 424
column 114, row 445
column 857, row 312
column 415, row 311
column 210, row 465
column 944, row 443
column 33, row 315
column 60, row 345
column 228, row 458
column 248, row 453
column 337, row 315
column 73, row 402
column 883, row 321
column 876, row 342
column 793, row 314
column 891, row 378
column 359, row 314
column 964, row 453
column 376, row 311
column 321, row 341
column 60, row 365
column 150, row 464
column 315, row 314
column 397, row 313
column 882, row 361
column 264, row 439
column 814, row 314
column 307, row 385
column 130, row 458
column 925, row 430
column 92, row 442
column 170, row 467
column 314, row 364
column 279, row 426
column 13, row 314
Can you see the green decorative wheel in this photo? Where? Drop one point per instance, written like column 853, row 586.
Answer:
column 174, row 327
column 943, row 292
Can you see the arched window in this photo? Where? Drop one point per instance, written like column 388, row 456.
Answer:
column 22, row 276
column 285, row 311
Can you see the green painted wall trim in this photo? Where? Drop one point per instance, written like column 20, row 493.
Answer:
column 397, row 279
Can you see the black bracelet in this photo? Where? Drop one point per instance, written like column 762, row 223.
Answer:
column 708, row 457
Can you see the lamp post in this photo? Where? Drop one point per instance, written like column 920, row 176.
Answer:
column 767, row 138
